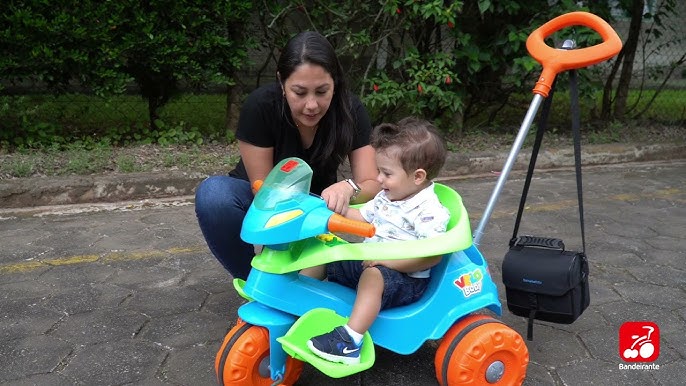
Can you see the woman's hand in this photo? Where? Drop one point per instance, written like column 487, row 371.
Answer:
column 337, row 197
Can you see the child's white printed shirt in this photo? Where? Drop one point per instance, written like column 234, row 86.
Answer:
column 419, row 217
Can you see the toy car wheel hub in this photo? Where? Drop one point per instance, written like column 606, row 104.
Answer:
column 495, row 371
column 263, row 368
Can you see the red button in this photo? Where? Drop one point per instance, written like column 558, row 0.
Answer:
column 289, row 165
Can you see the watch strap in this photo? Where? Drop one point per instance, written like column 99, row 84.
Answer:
column 355, row 186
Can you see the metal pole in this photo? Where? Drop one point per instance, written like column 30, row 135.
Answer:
column 516, row 146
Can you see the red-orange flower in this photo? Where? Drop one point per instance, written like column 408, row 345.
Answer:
column 451, row 24
column 376, row 87
column 448, row 79
column 420, row 89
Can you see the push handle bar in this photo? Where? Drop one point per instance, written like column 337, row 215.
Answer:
column 555, row 61
column 338, row 223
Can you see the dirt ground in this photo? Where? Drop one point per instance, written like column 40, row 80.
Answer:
column 218, row 158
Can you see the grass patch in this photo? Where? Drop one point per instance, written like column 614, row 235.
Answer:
column 220, row 159
column 21, row 166
column 668, row 108
column 40, row 121
column 207, row 159
column 91, row 115
column 81, row 135
column 82, row 161
column 44, row 120
column 126, row 163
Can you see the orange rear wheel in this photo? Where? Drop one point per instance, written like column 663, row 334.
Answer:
column 480, row 350
column 243, row 358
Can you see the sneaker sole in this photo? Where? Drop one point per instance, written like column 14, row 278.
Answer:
column 333, row 358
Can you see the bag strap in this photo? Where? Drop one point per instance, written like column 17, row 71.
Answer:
column 576, row 124
column 533, row 308
column 542, row 126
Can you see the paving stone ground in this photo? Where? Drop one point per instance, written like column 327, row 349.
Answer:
column 128, row 294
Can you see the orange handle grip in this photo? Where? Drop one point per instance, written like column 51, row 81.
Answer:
column 256, row 185
column 338, row 223
column 555, row 61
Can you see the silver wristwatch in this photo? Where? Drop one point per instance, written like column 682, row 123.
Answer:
column 356, row 188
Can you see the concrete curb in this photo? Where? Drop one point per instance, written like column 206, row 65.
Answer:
column 42, row 191
column 31, row 192
column 479, row 163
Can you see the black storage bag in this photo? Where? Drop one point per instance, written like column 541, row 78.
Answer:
column 542, row 280
column 548, row 284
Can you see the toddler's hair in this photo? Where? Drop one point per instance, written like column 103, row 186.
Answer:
column 416, row 142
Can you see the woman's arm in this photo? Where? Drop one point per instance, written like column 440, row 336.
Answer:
column 363, row 165
column 258, row 161
column 364, row 171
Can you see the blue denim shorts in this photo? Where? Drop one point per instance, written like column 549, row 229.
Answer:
column 399, row 288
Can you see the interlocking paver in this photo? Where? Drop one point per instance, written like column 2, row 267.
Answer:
column 131, row 295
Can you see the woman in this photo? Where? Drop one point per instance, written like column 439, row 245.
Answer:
column 307, row 113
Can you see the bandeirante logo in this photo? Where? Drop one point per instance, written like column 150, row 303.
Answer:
column 639, row 341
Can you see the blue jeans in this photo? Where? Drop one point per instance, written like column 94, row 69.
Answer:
column 220, row 205
column 399, row 288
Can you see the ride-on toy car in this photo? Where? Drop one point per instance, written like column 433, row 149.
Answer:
column 284, row 309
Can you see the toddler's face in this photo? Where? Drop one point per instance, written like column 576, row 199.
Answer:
column 394, row 180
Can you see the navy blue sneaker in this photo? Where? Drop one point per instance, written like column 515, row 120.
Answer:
column 336, row 346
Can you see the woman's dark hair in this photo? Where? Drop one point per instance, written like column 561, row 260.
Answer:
column 337, row 126
column 416, row 142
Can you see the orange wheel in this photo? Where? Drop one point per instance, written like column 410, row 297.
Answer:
column 480, row 350
column 227, row 338
column 243, row 358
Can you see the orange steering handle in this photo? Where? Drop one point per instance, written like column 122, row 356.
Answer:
column 256, row 185
column 555, row 60
column 338, row 223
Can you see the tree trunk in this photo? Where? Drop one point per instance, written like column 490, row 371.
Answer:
column 629, row 55
column 233, row 100
column 606, row 107
column 152, row 112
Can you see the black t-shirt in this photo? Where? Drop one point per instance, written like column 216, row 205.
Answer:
column 265, row 121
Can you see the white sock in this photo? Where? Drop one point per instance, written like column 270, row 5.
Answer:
column 357, row 337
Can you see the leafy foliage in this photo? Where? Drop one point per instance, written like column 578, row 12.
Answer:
column 104, row 45
column 462, row 64
column 453, row 62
